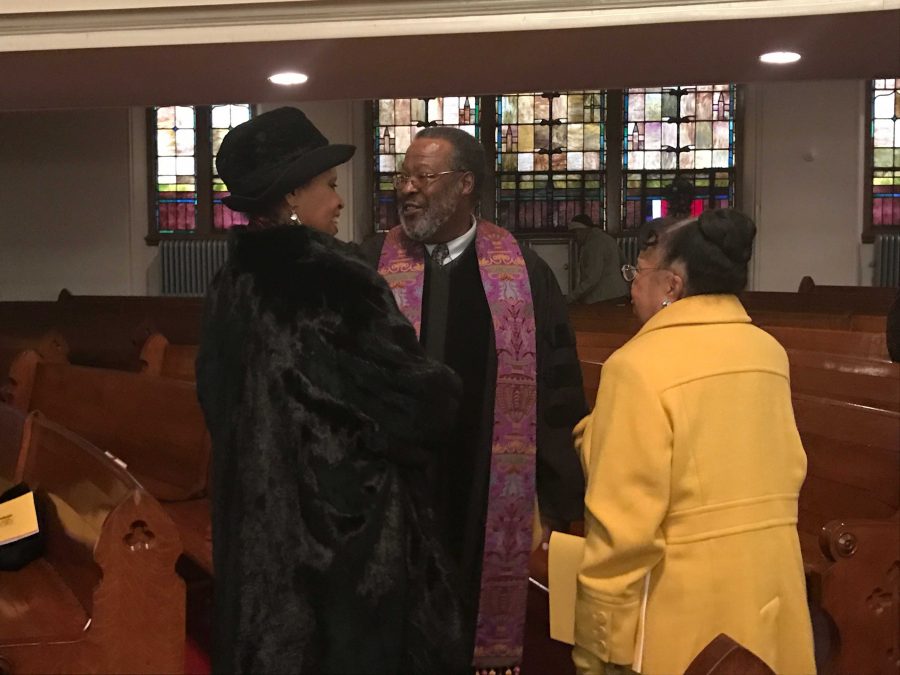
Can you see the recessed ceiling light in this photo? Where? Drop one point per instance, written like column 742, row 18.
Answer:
column 780, row 58
column 287, row 79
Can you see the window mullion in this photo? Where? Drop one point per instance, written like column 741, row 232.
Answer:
column 614, row 175
column 203, row 170
column 488, row 128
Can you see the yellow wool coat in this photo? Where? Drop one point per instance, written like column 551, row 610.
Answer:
column 694, row 467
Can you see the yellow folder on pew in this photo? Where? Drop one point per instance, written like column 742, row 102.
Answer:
column 18, row 519
column 566, row 552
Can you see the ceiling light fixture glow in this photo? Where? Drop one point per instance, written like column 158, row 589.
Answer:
column 780, row 58
column 287, row 79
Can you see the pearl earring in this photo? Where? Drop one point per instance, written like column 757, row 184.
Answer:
column 666, row 302
column 295, row 219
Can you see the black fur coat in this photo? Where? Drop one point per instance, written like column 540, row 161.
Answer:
column 323, row 412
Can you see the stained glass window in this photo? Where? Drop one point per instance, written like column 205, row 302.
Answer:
column 223, row 119
column 397, row 121
column 550, row 158
column 188, row 193
column 885, row 138
column 679, row 131
column 176, row 200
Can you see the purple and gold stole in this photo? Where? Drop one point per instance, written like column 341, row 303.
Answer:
column 510, row 513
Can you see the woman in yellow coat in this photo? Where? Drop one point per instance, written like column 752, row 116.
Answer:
column 694, row 468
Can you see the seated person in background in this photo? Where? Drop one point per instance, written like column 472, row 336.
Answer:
column 599, row 264
column 694, row 468
column 324, row 413
column 680, row 198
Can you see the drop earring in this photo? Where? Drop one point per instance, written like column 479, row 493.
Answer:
column 666, row 302
column 295, row 219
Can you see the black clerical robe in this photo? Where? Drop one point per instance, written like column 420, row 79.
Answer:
column 457, row 330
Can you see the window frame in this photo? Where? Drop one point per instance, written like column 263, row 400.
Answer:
column 869, row 230
column 614, row 173
column 203, row 168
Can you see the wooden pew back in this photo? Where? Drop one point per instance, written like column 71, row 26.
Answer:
column 176, row 318
column 854, row 465
column 846, row 378
column 858, row 344
column 153, row 424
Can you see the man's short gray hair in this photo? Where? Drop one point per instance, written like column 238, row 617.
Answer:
column 468, row 153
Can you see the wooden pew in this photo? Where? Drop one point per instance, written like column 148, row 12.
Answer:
column 104, row 598
column 176, row 318
column 103, row 331
column 153, row 424
column 846, row 378
column 724, row 656
column 851, row 343
column 860, row 299
column 849, row 528
column 23, row 318
column 854, row 465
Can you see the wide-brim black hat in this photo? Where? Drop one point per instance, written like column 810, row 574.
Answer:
column 266, row 157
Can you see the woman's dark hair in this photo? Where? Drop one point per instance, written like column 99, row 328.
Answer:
column 714, row 248
column 468, row 153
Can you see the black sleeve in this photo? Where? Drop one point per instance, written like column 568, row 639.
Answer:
column 370, row 249
column 560, row 480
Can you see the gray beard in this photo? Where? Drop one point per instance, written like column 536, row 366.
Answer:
column 433, row 218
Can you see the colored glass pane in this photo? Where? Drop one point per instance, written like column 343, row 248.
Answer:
column 885, row 143
column 223, row 118
column 397, row 121
column 550, row 158
column 676, row 131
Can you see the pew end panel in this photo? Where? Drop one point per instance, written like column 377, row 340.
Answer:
column 859, row 589
column 19, row 383
column 105, row 596
column 153, row 353
column 161, row 358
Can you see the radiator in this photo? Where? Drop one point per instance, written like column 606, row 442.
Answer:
column 188, row 266
column 629, row 248
column 887, row 260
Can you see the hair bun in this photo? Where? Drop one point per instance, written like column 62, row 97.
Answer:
column 730, row 231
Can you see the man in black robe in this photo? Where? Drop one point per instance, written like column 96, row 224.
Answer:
column 437, row 191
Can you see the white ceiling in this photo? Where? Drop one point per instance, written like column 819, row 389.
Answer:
column 835, row 46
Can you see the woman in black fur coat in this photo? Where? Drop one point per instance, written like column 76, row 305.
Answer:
column 323, row 413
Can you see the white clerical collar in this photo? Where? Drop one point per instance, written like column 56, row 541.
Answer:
column 458, row 245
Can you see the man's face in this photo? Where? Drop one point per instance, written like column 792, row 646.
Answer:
column 426, row 205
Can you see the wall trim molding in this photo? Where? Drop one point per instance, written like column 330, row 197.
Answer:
column 81, row 24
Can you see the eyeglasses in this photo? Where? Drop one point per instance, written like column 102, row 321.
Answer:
column 419, row 180
column 629, row 272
